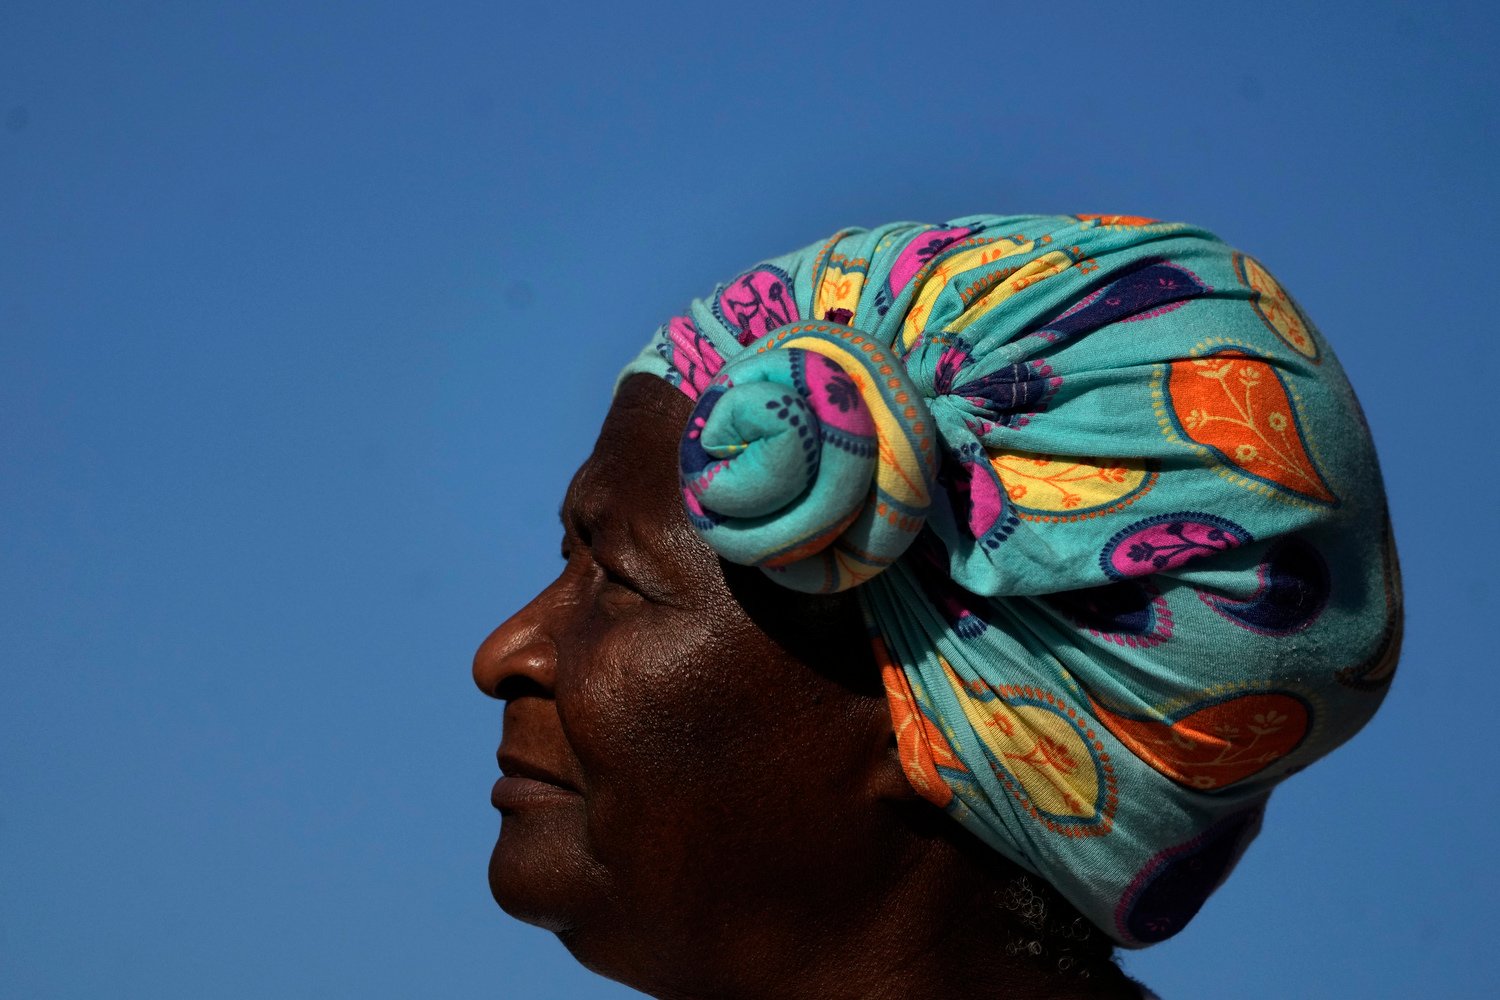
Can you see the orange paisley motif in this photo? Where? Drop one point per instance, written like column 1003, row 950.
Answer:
column 1220, row 744
column 920, row 745
column 1122, row 221
column 1236, row 405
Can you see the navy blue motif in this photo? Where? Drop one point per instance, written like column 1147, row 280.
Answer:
column 1150, row 289
column 1294, row 588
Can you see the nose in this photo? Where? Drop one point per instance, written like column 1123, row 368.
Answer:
column 519, row 650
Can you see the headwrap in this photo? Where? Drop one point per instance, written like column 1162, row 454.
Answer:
column 1111, row 507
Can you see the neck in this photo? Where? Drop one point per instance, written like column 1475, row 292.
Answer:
column 949, row 919
column 979, row 941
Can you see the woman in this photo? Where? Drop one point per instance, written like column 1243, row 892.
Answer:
column 1065, row 527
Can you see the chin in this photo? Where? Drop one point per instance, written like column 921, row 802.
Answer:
column 535, row 878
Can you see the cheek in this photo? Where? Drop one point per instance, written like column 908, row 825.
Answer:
column 695, row 726
column 667, row 707
column 718, row 766
column 676, row 728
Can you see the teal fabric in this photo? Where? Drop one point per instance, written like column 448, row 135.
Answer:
column 1109, row 504
column 791, row 471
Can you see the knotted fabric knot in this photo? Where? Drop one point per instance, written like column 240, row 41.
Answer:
column 811, row 456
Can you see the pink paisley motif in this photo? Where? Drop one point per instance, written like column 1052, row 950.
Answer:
column 950, row 363
column 694, row 506
column 985, row 499
column 1168, row 541
column 920, row 250
column 756, row 303
column 835, row 399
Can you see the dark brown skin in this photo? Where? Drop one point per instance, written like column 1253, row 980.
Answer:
column 718, row 810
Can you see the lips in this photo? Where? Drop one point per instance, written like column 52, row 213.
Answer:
column 524, row 782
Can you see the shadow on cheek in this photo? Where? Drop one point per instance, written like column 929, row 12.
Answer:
column 825, row 632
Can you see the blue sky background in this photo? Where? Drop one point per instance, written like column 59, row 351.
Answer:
column 308, row 312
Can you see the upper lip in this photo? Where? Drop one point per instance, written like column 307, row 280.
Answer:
column 513, row 766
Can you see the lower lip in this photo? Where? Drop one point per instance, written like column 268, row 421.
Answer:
column 513, row 792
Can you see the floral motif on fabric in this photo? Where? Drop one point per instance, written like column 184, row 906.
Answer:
column 1216, row 743
column 1063, row 488
column 1044, row 752
column 756, row 303
column 1234, row 407
column 1275, row 307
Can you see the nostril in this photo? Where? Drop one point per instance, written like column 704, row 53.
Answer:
column 514, row 686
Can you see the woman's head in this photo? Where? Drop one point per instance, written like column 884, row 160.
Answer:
column 711, row 758
column 1099, row 496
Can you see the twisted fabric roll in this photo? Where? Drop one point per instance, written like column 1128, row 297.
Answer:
column 1112, row 512
column 811, row 456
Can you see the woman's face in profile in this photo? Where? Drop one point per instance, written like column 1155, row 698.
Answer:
column 669, row 764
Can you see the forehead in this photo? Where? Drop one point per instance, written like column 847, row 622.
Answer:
column 633, row 467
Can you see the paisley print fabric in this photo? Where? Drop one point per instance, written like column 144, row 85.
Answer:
column 1109, row 506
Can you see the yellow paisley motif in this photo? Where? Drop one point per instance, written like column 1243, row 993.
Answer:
column 1067, row 484
column 937, row 279
column 1052, row 263
column 840, row 288
column 1038, row 747
column 1276, row 308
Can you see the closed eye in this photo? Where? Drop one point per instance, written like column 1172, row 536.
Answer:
column 615, row 579
column 580, row 541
